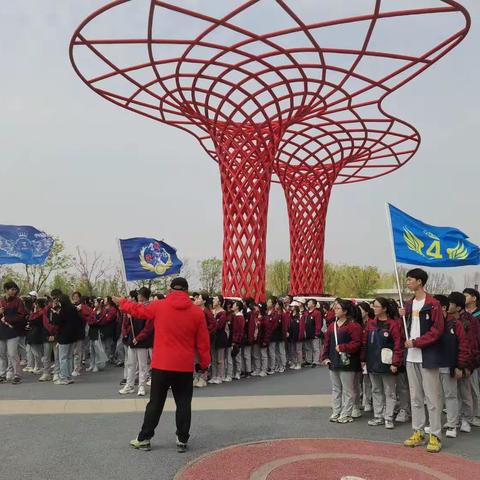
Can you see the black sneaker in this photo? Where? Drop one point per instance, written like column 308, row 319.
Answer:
column 3, row 379
column 181, row 447
column 314, row 365
column 16, row 380
column 123, row 382
column 136, row 381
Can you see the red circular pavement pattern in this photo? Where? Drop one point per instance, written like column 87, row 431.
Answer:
column 327, row 459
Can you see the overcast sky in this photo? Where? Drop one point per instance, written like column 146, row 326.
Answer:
column 88, row 171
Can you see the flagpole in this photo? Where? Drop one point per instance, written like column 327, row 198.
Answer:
column 122, row 263
column 395, row 266
column 126, row 283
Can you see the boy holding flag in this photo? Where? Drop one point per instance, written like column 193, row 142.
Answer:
column 425, row 326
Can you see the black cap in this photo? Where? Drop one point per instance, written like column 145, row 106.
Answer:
column 179, row 283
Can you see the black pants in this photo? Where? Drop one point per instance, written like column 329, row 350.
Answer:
column 182, row 389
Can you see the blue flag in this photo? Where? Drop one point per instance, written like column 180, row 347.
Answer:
column 418, row 243
column 24, row 244
column 147, row 258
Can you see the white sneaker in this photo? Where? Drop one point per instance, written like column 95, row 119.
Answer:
column 9, row 376
column 37, row 371
column 427, row 430
column 62, row 382
column 126, row 390
column 334, row 417
column 281, row 370
column 201, row 383
column 45, row 378
column 236, row 377
column 95, row 369
column 227, row 379
column 465, row 427
column 89, row 369
column 451, row 433
column 149, row 382
column 27, row 370
column 75, row 374
column 213, row 381
column 475, row 422
column 402, row 416
column 218, row 381
column 141, row 392
column 262, row 374
column 368, row 408
column 55, row 377
column 297, row 367
column 195, row 381
column 255, row 374
column 356, row 412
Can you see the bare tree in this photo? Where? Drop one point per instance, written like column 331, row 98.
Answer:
column 439, row 283
column 92, row 270
column 472, row 279
column 36, row 276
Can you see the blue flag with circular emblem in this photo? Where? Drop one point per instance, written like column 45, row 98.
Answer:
column 148, row 258
column 418, row 243
column 24, row 244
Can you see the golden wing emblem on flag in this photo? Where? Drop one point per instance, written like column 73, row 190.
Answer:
column 460, row 252
column 159, row 268
column 412, row 241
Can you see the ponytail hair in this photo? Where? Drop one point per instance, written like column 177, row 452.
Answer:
column 349, row 307
column 389, row 305
column 365, row 306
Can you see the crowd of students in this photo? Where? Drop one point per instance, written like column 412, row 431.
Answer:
column 418, row 359
column 375, row 365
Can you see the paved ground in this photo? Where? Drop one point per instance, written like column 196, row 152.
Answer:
column 91, row 446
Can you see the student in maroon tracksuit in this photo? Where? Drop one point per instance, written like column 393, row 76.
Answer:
column 381, row 337
column 12, row 327
column 296, row 335
column 260, row 347
column 50, row 347
column 341, row 352
column 467, row 398
column 138, row 334
column 238, row 329
column 363, row 382
column 457, row 362
column 425, row 326
column 227, row 305
column 249, row 335
column 313, row 334
column 108, row 320
column 279, row 336
column 220, row 341
column 86, row 314
column 472, row 306
column 36, row 334
column 203, row 301
column 272, row 333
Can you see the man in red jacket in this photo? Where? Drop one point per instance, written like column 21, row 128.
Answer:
column 180, row 327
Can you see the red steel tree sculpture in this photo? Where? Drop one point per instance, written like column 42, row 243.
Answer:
column 274, row 90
